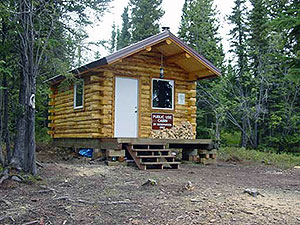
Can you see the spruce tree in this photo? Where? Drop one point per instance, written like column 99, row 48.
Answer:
column 199, row 29
column 239, row 33
column 282, row 124
column 113, row 39
column 259, row 47
column 145, row 16
column 123, row 36
column 288, row 20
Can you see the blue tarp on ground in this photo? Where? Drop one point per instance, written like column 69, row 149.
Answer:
column 86, row 152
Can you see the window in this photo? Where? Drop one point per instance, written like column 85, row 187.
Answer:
column 78, row 95
column 162, row 94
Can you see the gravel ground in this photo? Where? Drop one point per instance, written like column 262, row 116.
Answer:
column 81, row 193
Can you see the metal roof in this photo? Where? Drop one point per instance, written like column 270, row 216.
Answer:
column 139, row 46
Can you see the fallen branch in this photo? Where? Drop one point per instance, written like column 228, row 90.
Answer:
column 7, row 216
column 44, row 191
column 62, row 198
column 47, row 189
column 32, row 222
column 39, row 164
column 121, row 202
column 17, row 178
column 5, row 176
column 85, row 202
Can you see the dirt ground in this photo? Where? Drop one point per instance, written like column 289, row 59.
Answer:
column 73, row 191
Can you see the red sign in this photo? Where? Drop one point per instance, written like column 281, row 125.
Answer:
column 161, row 121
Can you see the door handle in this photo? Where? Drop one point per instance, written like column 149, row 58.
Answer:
column 135, row 109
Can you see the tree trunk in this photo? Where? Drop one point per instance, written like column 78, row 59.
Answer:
column 31, row 98
column 244, row 134
column 18, row 158
column 24, row 154
column 31, row 129
column 1, row 153
column 255, row 135
column 5, row 119
column 217, row 131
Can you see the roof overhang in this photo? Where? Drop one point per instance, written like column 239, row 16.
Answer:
column 172, row 48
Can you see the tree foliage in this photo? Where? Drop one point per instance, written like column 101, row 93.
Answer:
column 199, row 29
column 113, row 39
column 124, row 36
column 258, row 92
column 38, row 40
column 145, row 16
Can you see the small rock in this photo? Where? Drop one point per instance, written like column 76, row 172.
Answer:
column 189, row 186
column 252, row 191
column 196, row 200
column 150, row 182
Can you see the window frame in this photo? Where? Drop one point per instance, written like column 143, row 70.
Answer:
column 173, row 92
column 75, row 96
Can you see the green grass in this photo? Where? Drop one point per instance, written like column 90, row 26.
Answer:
column 283, row 160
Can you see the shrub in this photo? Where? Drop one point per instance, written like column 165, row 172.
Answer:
column 282, row 160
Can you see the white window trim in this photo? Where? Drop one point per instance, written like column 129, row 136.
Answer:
column 173, row 88
column 75, row 89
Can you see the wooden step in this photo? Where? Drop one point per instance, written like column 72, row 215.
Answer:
column 141, row 154
column 147, row 143
column 150, row 150
column 159, row 163
column 161, row 166
column 155, row 156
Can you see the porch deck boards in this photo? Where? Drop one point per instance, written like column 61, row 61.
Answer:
column 157, row 141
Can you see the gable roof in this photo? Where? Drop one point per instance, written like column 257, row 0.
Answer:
column 174, row 49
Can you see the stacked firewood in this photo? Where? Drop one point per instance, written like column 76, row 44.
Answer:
column 182, row 131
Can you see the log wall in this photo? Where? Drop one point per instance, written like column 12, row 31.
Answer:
column 67, row 122
column 96, row 119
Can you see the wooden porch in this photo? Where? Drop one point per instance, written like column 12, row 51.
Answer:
column 147, row 153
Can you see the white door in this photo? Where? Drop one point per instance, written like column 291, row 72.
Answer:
column 126, row 107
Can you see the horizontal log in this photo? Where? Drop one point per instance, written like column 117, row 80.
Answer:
column 50, row 132
column 84, row 126
column 51, row 110
column 96, row 77
column 51, row 103
column 77, row 131
column 76, row 116
column 76, row 119
column 87, row 135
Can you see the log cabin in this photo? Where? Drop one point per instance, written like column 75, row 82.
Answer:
column 119, row 99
